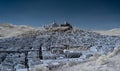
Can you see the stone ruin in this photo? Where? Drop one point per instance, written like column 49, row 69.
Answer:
column 56, row 27
column 61, row 52
column 66, row 24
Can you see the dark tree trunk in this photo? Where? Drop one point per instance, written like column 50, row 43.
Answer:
column 40, row 53
column 26, row 60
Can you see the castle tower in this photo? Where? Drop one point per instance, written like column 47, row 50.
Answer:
column 54, row 24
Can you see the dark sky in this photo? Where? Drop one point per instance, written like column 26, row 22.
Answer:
column 86, row 14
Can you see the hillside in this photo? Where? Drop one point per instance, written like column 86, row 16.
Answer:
column 112, row 32
column 59, row 45
column 110, row 62
column 9, row 30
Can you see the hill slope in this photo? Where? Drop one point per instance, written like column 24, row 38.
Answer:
column 9, row 30
column 112, row 32
column 77, row 45
column 110, row 62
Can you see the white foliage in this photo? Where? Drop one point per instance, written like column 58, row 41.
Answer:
column 39, row 68
column 93, row 42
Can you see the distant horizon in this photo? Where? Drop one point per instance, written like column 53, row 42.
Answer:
column 85, row 14
column 62, row 23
